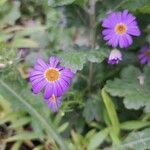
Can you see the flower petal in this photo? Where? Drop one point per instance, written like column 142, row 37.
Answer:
column 39, row 86
column 41, row 63
column 48, row 91
column 54, row 61
column 134, row 31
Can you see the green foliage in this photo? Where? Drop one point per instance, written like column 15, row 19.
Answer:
column 133, row 86
column 92, row 110
column 112, row 116
column 138, row 140
column 101, row 136
column 133, row 5
column 71, row 30
column 76, row 60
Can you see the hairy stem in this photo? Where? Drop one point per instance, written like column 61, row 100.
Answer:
column 91, row 11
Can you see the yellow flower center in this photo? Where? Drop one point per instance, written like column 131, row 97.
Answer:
column 52, row 74
column 148, row 53
column 53, row 98
column 120, row 28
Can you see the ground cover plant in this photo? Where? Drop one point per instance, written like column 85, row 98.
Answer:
column 74, row 75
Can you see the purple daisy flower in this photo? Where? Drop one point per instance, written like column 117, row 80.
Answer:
column 119, row 27
column 53, row 78
column 114, row 57
column 54, row 103
column 144, row 55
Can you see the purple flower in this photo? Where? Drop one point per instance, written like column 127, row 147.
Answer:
column 53, row 78
column 119, row 27
column 54, row 102
column 144, row 55
column 114, row 57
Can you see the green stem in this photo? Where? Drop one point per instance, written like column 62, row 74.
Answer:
column 50, row 130
column 91, row 11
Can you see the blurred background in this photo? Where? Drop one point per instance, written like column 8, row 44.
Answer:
column 89, row 119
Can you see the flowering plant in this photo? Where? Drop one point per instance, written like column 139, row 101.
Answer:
column 74, row 74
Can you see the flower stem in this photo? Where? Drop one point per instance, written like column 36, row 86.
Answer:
column 92, row 21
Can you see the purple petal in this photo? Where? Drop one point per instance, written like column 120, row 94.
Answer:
column 133, row 31
column 67, row 73
column 110, row 21
column 48, row 91
column 118, row 16
column 35, row 73
column 54, row 61
column 36, row 79
column 54, row 105
column 121, row 42
column 129, row 39
column 143, row 60
column 130, row 18
column 39, row 67
column 124, row 15
column 107, row 31
column 65, row 85
column 114, row 41
column 41, row 63
column 39, row 86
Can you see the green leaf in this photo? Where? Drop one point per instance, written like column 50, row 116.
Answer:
column 63, row 127
column 2, row 2
column 23, row 136
column 97, row 139
column 111, row 111
column 133, row 86
column 138, row 140
column 17, row 145
column 76, row 60
column 134, row 125
column 145, row 9
column 62, row 2
column 92, row 110
column 24, row 43
column 21, row 122
column 133, row 5
column 5, row 107
column 4, row 36
column 13, row 14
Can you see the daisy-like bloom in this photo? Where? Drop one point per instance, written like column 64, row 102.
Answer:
column 144, row 55
column 54, row 102
column 53, row 78
column 119, row 27
column 114, row 57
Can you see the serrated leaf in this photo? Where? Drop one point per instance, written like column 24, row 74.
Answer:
column 76, row 60
column 133, row 86
column 97, row 55
column 92, row 110
column 138, row 140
